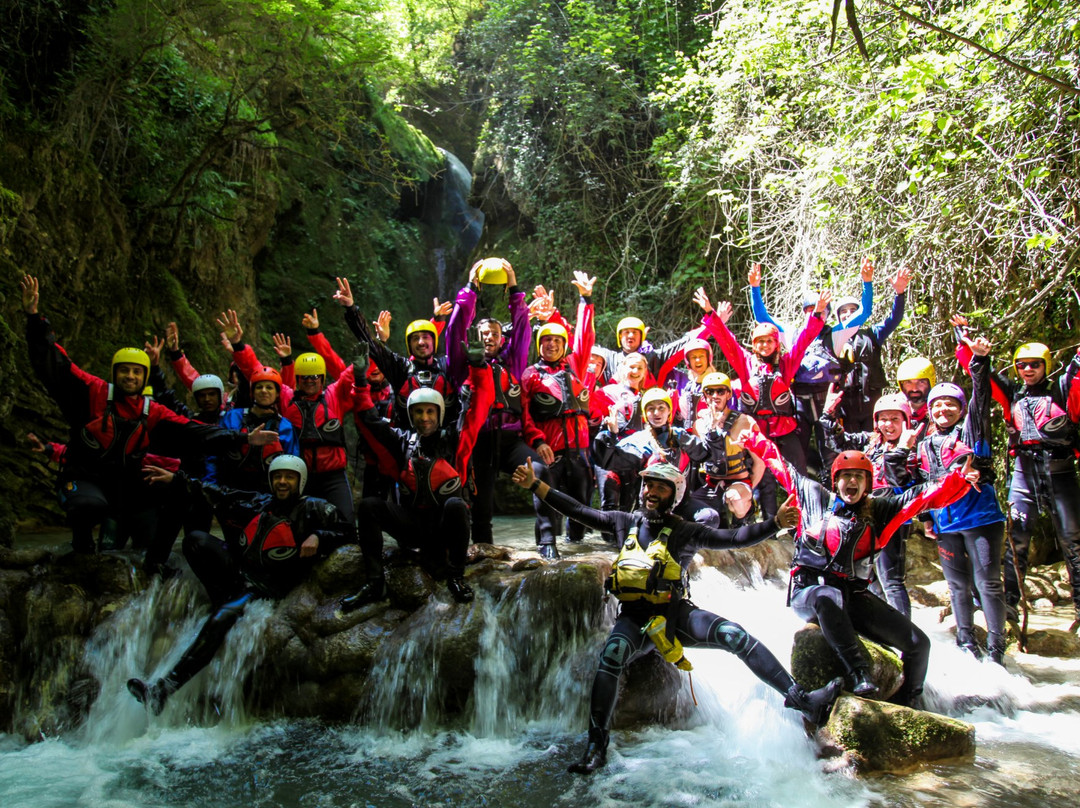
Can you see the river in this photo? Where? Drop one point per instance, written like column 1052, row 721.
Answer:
column 740, row 746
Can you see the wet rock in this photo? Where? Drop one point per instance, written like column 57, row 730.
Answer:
column 526, row 564
column 652, row 694
column 1052, row 642
column 1044, row 605
column 874, row 736
column 479, row 552
column 814, row 663
column 1041, row 584
column 341, row 572
column 923, row 565
column 409, row 586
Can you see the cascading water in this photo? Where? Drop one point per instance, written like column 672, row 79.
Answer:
column 522, row 720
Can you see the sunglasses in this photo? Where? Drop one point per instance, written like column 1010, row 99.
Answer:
column 1033, row 364
column 308, row 378
column 716, row 391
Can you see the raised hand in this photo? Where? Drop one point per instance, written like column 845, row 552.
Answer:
column 361, row 362
column 441, row 309
column 474, row 353
column 172, row 337
column 153, row 349
column 36, row 444
column 583, row 283
column 229, row 322
column 724, row 310
column 866, row 271
column 910, row 437
column 382, row 326
column 971, row 474
column 343, row 295
column 311, row 321
column 901, row 280
column 753, row 277
column 282, row 345
column 31, row 294
column 823, row 301
column 702, row 300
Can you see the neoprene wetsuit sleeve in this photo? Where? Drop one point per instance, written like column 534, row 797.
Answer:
column 603, row 521
column 720, row 539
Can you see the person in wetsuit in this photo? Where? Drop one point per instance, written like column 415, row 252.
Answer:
column 654, row 539
column 285, row 535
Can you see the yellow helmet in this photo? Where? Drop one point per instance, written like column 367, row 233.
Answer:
column 552, row 330
column 492, row 271
column 310, row 364
column 131, row 356
column 630, row 322
column 1034, row 350
column 658, row 393
column 715, row 379
column 417, row 326
column 917, row 367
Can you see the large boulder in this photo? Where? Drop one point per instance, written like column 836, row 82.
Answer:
column 1053, row 642
column 814, row 663
column 750, row 564
column 874, row 736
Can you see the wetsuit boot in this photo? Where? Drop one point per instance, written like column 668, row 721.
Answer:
column 195, row 658
column 861, row 683
column 595, row 756
column 459, row 590
column 548, row 551
column 966, row 640
column 817, row 704
column 372, row 591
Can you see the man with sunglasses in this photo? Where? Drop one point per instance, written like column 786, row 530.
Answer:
column 722, row 484
column 1041, row 417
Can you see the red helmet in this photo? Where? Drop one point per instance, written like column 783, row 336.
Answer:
column 266, row 375
column 852, row 460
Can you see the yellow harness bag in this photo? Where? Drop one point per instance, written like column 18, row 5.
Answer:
column 647, row 573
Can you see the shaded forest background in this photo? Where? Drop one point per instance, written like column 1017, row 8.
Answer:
column 163, row 160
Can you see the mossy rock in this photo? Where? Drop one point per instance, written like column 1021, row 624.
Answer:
column 875, row 736
column 814, row 663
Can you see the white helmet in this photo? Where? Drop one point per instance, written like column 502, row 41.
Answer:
column 665, row 472
column 208, row 381
column 288, row 462
column 426, row 395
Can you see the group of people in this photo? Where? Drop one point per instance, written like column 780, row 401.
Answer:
column 679, row 454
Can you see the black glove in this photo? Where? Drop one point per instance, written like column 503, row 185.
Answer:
column 474, row 353
column 361, row 363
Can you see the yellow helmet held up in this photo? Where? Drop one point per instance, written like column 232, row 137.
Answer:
column 310, row 364
column 131, row 356
column 552, row 330
column 657, row 394
column 630, row 323
column 492, row 270
column 418, row 326
column 1034, row 350
column 917, row 367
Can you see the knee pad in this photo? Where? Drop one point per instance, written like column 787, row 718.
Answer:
column 615, row 654
column 731, row 636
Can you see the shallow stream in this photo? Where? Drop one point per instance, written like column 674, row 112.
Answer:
column 739, row 747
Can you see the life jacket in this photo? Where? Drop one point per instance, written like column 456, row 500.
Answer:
column 732, row 461
column 242, row 459
column 937, row 454
column 429, row 481
column 433, row 376
column 564, row 395
column 766, row 394
column 819, row 364
column 837, row 546
column 114, row 438
column 507, row 391
column 318, row 427
column 271, row 551
column 647, row 573
column 865, row 377
column 1038, row 421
